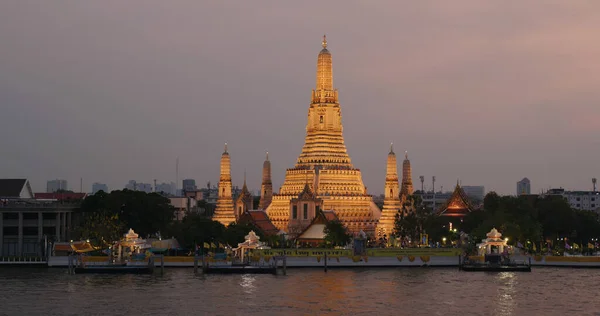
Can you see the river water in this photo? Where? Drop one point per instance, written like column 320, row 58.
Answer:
column 404, row 291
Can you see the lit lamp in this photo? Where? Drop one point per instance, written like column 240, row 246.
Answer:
column 444, row 240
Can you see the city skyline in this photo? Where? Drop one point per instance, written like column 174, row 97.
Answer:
column 471, row 97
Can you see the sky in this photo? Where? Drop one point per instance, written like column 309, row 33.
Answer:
column 487, row 92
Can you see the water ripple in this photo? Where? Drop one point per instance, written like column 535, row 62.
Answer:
column 378, row 292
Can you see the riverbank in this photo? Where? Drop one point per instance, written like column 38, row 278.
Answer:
column 334, row 261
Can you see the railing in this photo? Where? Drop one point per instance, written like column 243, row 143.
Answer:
column 24, row 260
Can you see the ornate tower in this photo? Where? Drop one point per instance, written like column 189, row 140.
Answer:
column 407, row 185
column 266, row 189
column 244, row 201
column 391, row 202
column 324, row 159
column 224, row 213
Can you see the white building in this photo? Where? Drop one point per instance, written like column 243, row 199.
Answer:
column 524, row 187
column 55, row 185
column 580, row 200
column 99, row 187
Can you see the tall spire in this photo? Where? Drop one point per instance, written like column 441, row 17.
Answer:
column 391, row 202
column 324, row 42
column 266, row 188
column 407, row 185
column 224, row 213
column 406, row 154
column 324, row 72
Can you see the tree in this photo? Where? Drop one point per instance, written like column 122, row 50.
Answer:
column 336, row 234
column 195, row 230
column 101, row 228
column 146, row 213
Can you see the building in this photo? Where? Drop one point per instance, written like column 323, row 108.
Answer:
column 260, row 220
column 165, row 188
column 324, row 163
column 407, row 185
column 266, row 188
column 27, row 224
column 314, row 233
column 524, row 187
column 244, row 201
column 474, row 192
column 138, row 186
column 391, row 201
column 580, row 200
column 225, row 213
column 189, row 185
column 433, row 200
column 61, row 196
column 99, row 187
column 458, row 205
column 183, row 206
column 11, row 189
column 55, row 185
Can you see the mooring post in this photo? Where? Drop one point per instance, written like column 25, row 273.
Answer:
column 162, row 264
column 284, row 265
column 325, row 261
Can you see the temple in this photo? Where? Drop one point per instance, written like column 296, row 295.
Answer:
column 244, row 201
column 224, row 212
column 458, row 205
column 391, row 202
column 266, row 188
column 407, row 185
column 325, row 163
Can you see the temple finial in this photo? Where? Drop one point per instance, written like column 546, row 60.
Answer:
column 225, row 146
column 324, row 43
column 244, row 176
column 267, row 156
column 406, row 154
column 391, row 148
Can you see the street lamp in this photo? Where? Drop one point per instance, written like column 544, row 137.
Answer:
column 444, row 240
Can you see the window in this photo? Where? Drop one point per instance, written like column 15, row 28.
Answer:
column 321, row 119
column 295, row 212
column 593, row 205
column 240, row 209
column 305, row 211
column 578, row 205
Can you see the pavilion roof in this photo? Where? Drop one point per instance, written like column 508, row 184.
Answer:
column 458, row 204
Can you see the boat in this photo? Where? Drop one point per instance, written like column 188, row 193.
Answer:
column 496, row 257
column 115, row 269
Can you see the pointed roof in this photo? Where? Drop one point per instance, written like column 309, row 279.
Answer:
column 260, row 220
column 15, row 189
column 458, row 204
column 316, row 229
column 307, row 193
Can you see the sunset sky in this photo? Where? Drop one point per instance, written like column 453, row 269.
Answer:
column 487, row 92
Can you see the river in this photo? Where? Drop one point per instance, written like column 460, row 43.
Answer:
column 404, row 291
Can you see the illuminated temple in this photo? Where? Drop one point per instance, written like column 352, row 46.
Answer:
column 324, row 168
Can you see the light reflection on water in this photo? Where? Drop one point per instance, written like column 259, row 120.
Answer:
column 377, row 292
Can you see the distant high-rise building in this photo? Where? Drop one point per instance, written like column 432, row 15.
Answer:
column 167, row 188
column 475, row 192
column 138, row 186
column 99, row 187
column 55, row 185
column 189, row 185
column 524, row 187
